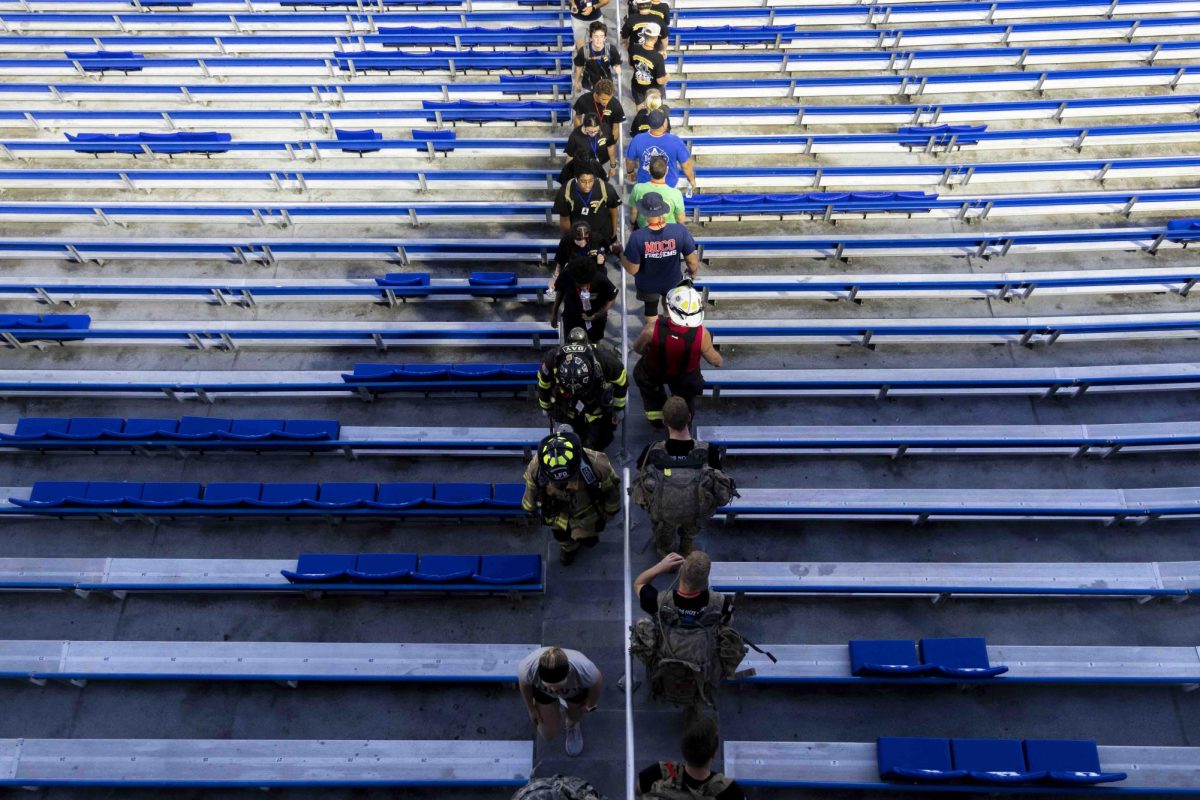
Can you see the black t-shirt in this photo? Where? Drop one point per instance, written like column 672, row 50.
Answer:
column 590, row 206
column 641, row 120
column 577, row 7
column 688, row 606
column 654, row 772
column 648, row 66
column 567, row 250
column 681, row 447
column 579, row 143
column 602, row 293
column 632, row 28
column 612, row 113
column 596, row 65
column 661, row 11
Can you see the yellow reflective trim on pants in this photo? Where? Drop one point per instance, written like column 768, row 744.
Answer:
column 653, row 415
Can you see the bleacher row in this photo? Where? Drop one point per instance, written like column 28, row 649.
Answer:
column 213, row 434
column 872, row 51
column 929, row 662
column 780, row 37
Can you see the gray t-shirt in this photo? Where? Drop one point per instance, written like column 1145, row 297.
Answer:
column 581, row 672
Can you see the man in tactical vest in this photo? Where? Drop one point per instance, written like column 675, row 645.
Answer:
column 679, row 482
column 687, row 645
column 575, row 491
column 583, row 385
column 693, row 778
column 558, row 787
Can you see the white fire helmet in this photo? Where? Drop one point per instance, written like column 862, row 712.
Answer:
column 685, row 306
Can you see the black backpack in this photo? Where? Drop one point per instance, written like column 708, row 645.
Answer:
column 595, row 69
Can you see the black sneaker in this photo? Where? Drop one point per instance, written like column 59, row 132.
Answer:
column 567, row 557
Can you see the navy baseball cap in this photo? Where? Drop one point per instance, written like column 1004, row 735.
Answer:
column 656, row 118
column 653, row 205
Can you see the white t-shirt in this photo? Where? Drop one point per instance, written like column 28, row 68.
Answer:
column 581, row 672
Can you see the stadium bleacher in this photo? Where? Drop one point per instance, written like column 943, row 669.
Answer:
column 221, row 192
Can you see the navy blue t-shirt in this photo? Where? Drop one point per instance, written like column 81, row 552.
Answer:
column 659, row 255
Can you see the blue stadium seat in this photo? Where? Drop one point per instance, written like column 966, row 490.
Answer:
column 886, row 657
column 148, row 429
column 446, row 569
column 108, row 493
column 401, row 495
column 372, row 372
column 368, row 135
column 442, row 140
column 993, row 760
column 322, row 568
column 963, row 657
column 343, row 495
column 1069, row 762
column 507, row 495
column 31, row 428
column 384, row 567
column 229, row 494
column 509, row 569
column 460, row 494
column 406, row 284
column 91, row 428
column 310, row 429
column 469, row 372
column 252, row 429
column 285, row 495
column 494, row 284
column 915, row 759
column 167, row 495
column 423, row 372
column 51, row 494
column 201, row 428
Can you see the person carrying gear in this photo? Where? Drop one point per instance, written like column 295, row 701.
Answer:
column 562, row 787
column 576, row 244
column 679, row 483
column 575, row 491
column 671, row 349
column 688, row 646
column 584, row 385
column 693, row 778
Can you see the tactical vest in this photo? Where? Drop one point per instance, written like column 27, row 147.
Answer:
column 672, row 787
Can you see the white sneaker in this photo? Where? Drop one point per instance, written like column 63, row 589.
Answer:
column 574, row 739
column 549, row 294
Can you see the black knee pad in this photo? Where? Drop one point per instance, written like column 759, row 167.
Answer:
column 561, row 536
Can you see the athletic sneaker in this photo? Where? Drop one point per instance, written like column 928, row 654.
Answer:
column 574, row 737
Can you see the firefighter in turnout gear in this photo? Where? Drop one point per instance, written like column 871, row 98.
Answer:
column 573, row 489
column 584, row 385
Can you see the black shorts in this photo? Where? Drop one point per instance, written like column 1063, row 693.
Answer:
column 652, row 301
column 579, row 698
column 639, row 94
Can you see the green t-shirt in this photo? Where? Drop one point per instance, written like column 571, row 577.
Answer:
column 673, row 198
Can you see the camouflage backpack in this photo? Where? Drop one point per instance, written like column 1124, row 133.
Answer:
column 686, row 658
column 680, row 490
column 559, row 787
column 672, row 787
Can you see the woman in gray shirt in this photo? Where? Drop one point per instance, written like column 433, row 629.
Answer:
column 552, row 677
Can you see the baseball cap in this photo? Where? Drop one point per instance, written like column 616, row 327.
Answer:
column 652, row 205
column 656, row 118
column 651, row 29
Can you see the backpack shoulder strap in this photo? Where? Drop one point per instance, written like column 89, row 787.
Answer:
column 716, row 783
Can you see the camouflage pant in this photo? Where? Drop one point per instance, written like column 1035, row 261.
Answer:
column 664, row 537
